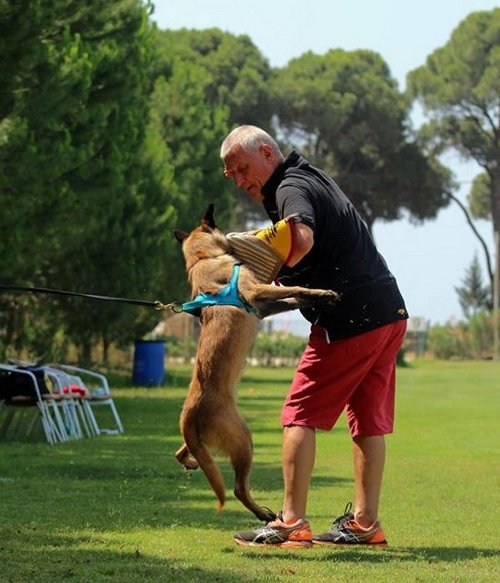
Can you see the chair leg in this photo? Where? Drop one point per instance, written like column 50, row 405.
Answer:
column 83, row 418
column 59, row 423
column 31, row 424
column 94, row 426
column 73, row 407
column 118, row 421
column 118, row 424
column 48, row 425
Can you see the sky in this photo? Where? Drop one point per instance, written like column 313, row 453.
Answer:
column 428, row 260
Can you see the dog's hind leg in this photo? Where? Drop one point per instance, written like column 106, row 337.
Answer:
column 184, row 457
column 241, row 460
column 209, row 468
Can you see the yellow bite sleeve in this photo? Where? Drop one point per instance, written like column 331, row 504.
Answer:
column 280, row 237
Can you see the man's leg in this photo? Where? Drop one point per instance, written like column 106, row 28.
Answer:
column 370, row 414
column 369, row 458
column 289, row 529
column 299, row 449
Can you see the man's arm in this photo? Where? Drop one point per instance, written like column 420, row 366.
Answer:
column 303, row 243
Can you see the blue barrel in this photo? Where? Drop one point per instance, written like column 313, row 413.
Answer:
column 149, row 363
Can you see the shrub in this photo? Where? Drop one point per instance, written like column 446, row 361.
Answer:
column 447, row 342
column 470, row 339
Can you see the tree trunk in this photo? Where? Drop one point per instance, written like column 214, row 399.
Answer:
column 489, row 267
column 496, row 292
column 105, row 349
column 495, row 214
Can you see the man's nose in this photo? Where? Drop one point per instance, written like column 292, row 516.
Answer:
column 239, row 180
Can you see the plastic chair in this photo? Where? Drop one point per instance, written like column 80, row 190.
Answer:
column 70, row 400
column 22, row 389
column 96, row 393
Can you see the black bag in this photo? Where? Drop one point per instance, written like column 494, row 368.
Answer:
column 17, row 384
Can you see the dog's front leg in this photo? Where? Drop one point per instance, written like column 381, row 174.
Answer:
column 269, row 300
column 262, row 292
column 272, row 307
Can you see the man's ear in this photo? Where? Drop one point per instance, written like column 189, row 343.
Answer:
column 267, row 151
column 208, row 217
column 180, row 235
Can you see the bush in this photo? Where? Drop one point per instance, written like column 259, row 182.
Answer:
column 480, row 335
column 470, row 339
column 278, row 349
column 447, row 342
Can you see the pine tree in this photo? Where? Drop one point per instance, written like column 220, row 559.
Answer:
column 472, row 294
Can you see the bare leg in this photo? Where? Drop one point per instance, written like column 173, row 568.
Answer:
column 299, row 449
column 369, row 459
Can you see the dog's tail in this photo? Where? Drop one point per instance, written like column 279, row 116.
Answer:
column 209, row 467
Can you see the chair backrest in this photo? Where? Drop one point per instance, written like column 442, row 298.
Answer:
column 94, row 382
column 22, row 381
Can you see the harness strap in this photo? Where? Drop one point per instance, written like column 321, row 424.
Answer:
column 228, row 296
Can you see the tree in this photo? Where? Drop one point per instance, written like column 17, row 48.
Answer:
column 237, row 72
column 71, row 125
column 472, row 295
column 71, row 118
column 237, row 78
column 459, row 88
column 344, row 111
column 183, row 138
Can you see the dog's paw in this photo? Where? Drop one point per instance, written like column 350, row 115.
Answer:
column 190, row 463
column 329, row 296
column 322, row 296
column 184, row 457
column 266, row 514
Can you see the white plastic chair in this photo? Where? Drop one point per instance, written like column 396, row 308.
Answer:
column 44, row 404
column 78, row 420
column 97, row 394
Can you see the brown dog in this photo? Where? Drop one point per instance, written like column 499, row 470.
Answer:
column 210, row 417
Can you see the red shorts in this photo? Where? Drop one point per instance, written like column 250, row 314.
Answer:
column 356, row 374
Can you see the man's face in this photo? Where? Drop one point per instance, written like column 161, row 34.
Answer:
column 250, row 169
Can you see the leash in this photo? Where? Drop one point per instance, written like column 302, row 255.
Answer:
column 228, row 296
column 174, row 306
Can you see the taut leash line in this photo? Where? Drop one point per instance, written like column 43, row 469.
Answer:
column 45, row 290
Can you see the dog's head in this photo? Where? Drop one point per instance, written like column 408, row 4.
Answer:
column 203, row 242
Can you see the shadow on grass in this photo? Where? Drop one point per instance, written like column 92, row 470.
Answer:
column 130, row 479
column 58, row 558
column 377, row 555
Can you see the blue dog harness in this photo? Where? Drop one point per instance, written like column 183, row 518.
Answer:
column 228, row 296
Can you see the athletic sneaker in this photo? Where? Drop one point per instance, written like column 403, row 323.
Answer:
column 346, row 531
column 277, row 534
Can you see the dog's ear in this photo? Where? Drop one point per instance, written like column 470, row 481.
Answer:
column 208, row 217
column 180, row 235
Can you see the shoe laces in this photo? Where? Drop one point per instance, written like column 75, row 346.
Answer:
column 341, row 521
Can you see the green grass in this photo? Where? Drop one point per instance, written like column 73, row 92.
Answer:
column 120, row 508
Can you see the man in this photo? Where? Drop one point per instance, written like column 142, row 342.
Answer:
column 349, row 362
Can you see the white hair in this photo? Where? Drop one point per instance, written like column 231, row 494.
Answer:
column 250, row 138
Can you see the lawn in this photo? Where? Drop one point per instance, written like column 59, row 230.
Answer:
column 120, row 508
